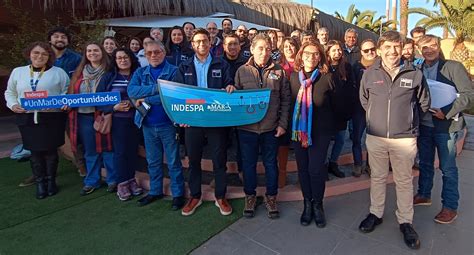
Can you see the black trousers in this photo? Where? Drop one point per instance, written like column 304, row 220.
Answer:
column 44, row 163
column 312, row 171
column 194, row 142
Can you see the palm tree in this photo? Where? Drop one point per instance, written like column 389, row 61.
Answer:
column 456, row 17
column 352, row 13
column 365, row 19
column 404, row 17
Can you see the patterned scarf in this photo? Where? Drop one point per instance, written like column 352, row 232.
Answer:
column 302, row 115
column 91, row 77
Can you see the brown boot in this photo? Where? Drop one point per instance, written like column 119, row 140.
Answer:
column 446, row 216
column 271, row 205
column 419, row 200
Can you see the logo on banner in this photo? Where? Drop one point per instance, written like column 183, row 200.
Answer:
column 36, row 94
column 219, row 107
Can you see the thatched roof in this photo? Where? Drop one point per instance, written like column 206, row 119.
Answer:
column 281, row 14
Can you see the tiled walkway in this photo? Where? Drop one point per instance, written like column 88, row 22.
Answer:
column 261, row 235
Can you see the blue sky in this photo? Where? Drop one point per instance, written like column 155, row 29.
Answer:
column 341, row 6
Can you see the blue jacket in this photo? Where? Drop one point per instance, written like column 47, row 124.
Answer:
column 68, row 61
column 143, row 85
column 105, row 85
column 218, row 76
column 177, row 55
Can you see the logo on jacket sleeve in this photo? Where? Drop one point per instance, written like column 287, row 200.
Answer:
column 406, row 83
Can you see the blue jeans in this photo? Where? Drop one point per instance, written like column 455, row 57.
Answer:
column 159, row 140
column 249, row 147
column 358, row 125
column 125, row 136
column 94, row 160
column 338, row 145
column 445, row 144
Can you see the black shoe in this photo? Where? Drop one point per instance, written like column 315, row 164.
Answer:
column 334, row 169
column 148, row 199
column 307, row 215
column 112, row 188
column 52, row 187
column 319, row 216
column 178, row 203
column 41, row 189
column 368, row 225
column 410, row 236
column 86, row 190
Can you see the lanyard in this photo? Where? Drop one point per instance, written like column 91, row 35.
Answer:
column 33, row 83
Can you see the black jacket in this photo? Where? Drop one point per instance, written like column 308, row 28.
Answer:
column 325, row 103
column 218, row 76
column 346, row 91
column 454, row 74
column 393, row 107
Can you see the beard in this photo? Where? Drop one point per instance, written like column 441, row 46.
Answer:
column 59, row 47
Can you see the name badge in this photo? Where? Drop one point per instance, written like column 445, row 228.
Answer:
column 36, row 94
column 216, row 73
column 406, row 83
column 273, row 76
column 188, row 74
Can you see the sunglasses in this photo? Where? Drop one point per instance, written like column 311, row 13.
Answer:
column 368, row 50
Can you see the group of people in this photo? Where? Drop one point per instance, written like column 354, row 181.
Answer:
column 317, row 86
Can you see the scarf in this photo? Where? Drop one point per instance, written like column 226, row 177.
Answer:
column 91, row 77
column 302, row 115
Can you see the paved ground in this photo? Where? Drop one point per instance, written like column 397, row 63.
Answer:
column 341, row 236
column 344, row 213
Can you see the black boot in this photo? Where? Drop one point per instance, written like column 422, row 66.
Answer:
column 307, row 215
column 52, row 188
column 41, row 189
column 319, row 216
column 334, row 169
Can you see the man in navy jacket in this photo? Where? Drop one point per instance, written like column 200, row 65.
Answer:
column 205, row 71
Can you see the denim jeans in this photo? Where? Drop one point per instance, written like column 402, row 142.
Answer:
column 338, row 145
column 94, row 160
column 125, row 136
column 445, row 144
column 358, row 125
column 249, row 147
column 159, row 140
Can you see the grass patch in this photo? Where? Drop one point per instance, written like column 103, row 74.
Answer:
column 98, row 223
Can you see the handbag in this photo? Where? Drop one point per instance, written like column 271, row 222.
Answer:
column 103, row 123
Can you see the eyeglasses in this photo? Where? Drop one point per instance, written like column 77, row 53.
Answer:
column 212, row 28
column 308, row 54
column 155, row 52
column 368, row 50
column 122, row 58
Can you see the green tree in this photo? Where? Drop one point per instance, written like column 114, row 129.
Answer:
column 455, row 17
column 366, row 19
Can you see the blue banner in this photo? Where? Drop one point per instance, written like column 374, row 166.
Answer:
column 202, row 107
column 73, row 100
